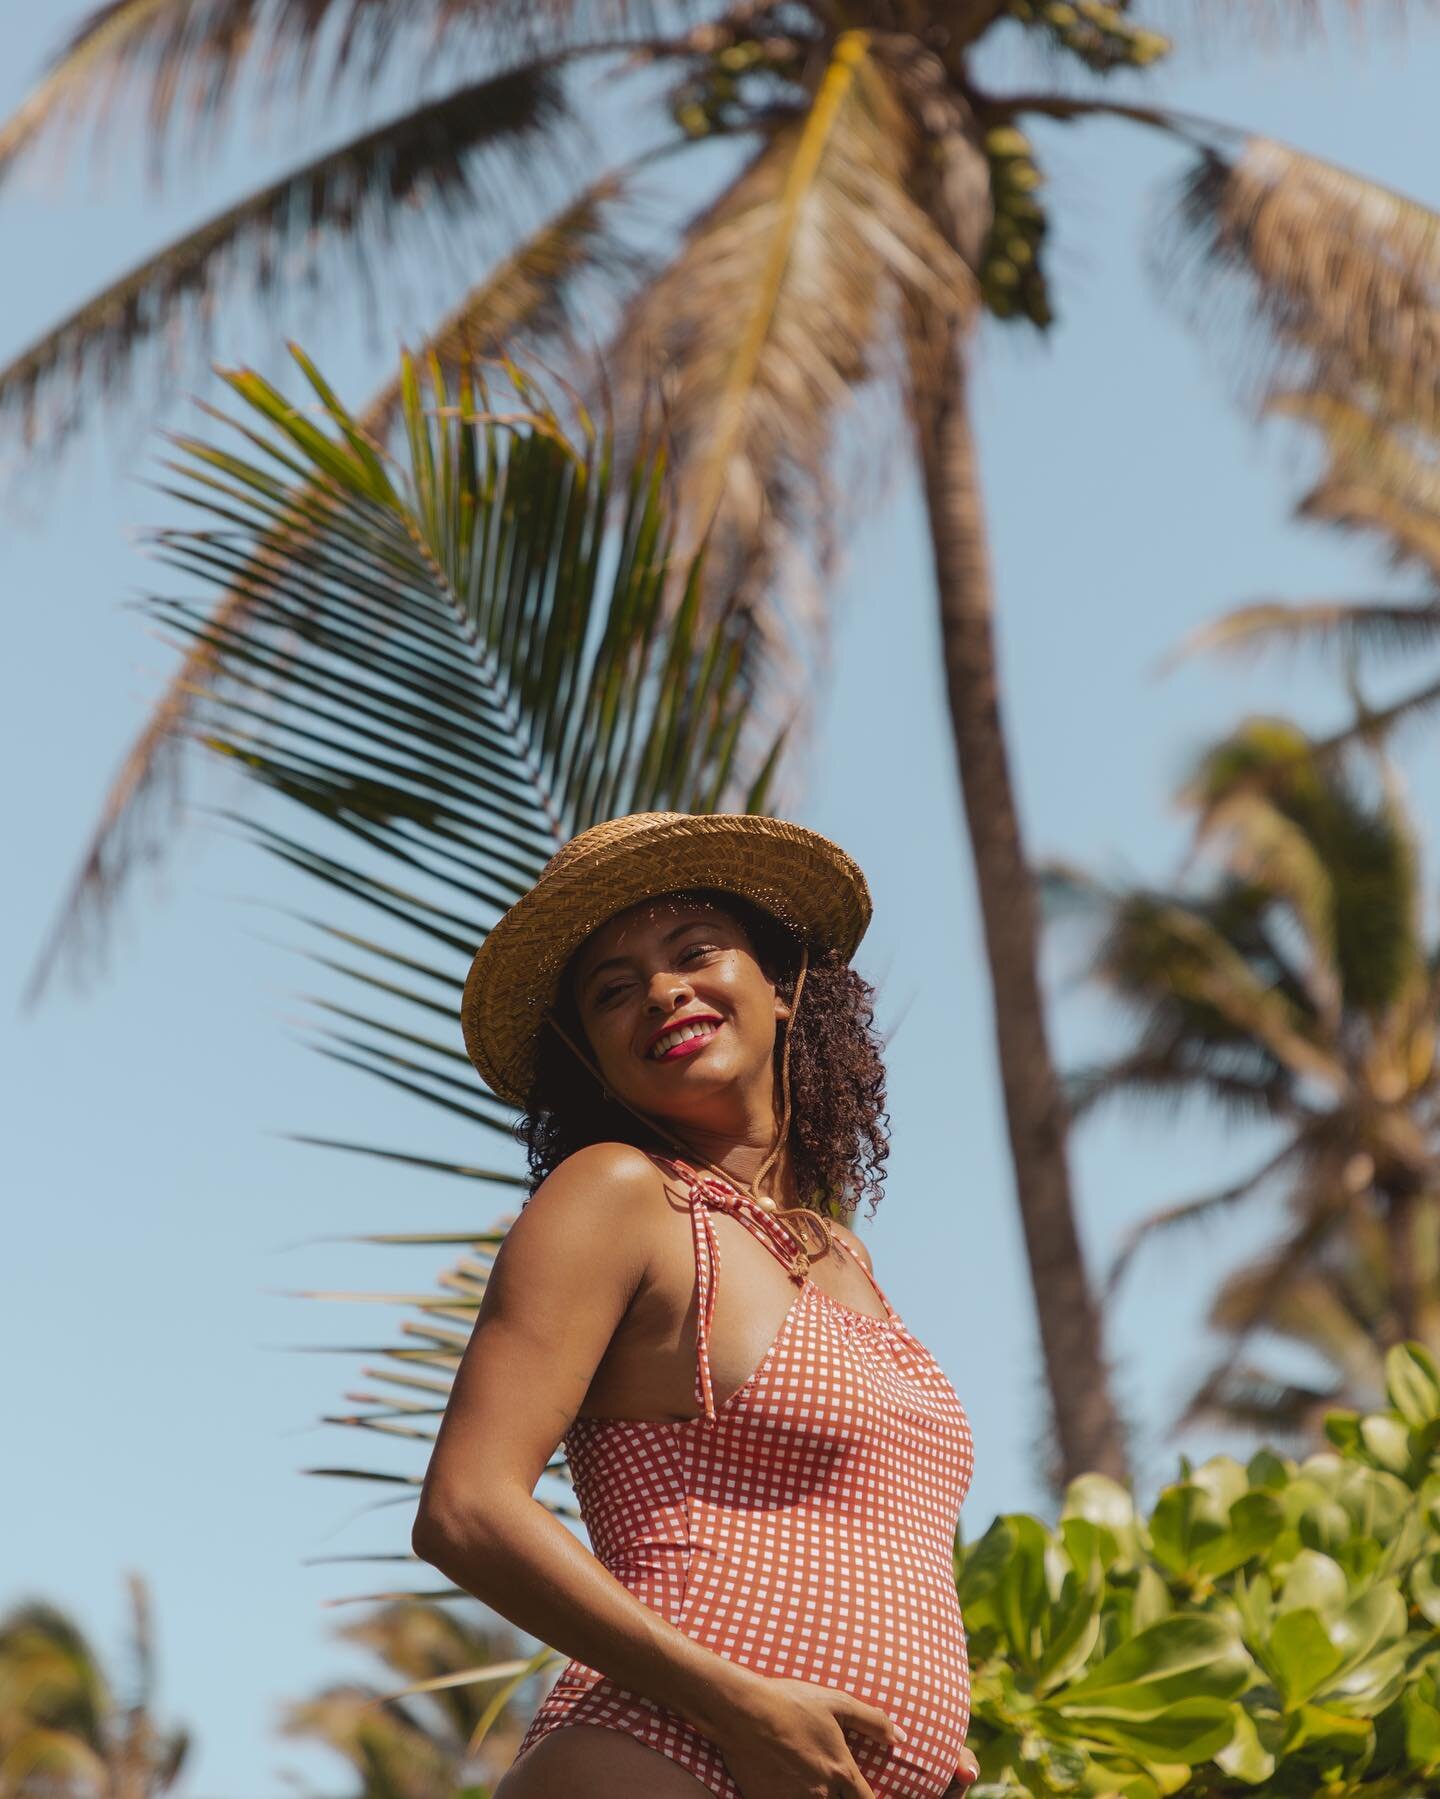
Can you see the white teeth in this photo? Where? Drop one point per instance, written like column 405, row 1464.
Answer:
column 681, row 1034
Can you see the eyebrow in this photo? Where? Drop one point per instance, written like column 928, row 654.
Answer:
column 669, row 937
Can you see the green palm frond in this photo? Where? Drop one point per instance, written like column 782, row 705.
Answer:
column 1171, row 957
column 50, row 1672
column 450, row 662
column 62, row 1726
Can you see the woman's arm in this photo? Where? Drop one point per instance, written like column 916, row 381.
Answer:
column 560, row 1284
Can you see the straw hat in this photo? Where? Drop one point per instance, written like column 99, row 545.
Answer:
column 804, row 879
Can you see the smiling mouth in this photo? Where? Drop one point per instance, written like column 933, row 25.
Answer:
column 684, row 1040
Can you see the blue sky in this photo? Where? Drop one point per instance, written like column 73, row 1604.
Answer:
column 157, row 1417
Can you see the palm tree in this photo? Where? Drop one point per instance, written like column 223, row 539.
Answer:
column 415, row 1744
column 875, row 201
column 1382, row 478
column 63, row 1732
column 1295, row 990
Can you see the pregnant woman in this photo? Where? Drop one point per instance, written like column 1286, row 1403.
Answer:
column 769, row 1465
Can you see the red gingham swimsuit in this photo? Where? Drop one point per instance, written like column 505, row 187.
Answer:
column 804, row 1527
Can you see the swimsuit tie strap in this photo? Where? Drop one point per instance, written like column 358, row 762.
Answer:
column 707, row 1273
column 705, row 1195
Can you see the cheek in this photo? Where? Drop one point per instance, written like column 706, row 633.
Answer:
column 611, row 1036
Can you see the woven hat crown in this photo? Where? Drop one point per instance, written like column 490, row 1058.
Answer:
column 611, row 830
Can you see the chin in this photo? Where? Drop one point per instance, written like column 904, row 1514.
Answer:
column 682, row 1084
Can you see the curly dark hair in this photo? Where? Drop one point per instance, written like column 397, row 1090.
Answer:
column 839, row 1136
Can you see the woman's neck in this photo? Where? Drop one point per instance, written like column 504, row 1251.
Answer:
column 741, row 1160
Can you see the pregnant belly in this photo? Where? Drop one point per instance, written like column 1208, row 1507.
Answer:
column 890, row 1634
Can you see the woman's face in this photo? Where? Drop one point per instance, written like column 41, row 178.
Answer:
column 677, row 1008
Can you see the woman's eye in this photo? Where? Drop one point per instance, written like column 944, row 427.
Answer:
column 613, row 989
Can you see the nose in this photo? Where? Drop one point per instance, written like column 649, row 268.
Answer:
column 668, row 991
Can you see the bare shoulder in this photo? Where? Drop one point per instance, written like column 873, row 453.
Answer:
column 601, row 1192
column 608, row 1173
column 843, row 1230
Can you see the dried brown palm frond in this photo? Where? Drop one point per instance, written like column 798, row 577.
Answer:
column 1341, row 274
column 184, row 58
column 1351, row 625
column 526, row 298
column 1201, row 1210
column 1378, row 477
column 768, row 318
column 530, row 296
column 1381, row 479
column 1215, row 25
column 361, row 192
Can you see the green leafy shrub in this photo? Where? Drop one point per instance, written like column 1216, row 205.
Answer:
column 1269, row 1629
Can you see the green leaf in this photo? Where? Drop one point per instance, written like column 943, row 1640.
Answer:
column 1185, row 1656
column 1075, row 1626
column 1425, row 1587
column 1185, row 1731
column 1020, row 1593
column 1152, row 1600
column 1388, row 1441
column 1316, row 1581
column 1245, row 1757
column 1422, row 1731
column 984, row 1563
column 1338, row 1739
column 1300, row 1654
column 1413, row 1383
column 1375, row 1619
column 1266, row 1469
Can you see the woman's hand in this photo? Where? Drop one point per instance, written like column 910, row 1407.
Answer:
column 966, row 1775
column 786, row 1741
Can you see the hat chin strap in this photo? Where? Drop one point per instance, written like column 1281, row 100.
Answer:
column 753, row 1185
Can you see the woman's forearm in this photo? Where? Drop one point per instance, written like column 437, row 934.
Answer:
column 522, row 1562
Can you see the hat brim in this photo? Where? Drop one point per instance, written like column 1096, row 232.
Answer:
column 805, row 880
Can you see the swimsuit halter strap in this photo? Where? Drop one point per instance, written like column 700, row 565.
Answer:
column 707, row 1193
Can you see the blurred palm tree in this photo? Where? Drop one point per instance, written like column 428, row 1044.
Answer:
column 63, row 1731
column 1381, row 478
column 874, row 200
column 415, row 1744
column 1295, row 989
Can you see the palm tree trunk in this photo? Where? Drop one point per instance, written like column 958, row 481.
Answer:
column 1087, row 1426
